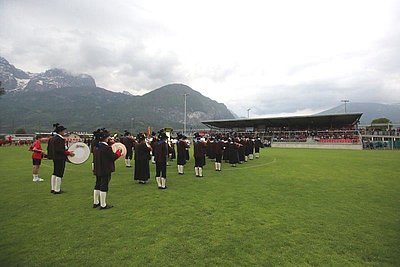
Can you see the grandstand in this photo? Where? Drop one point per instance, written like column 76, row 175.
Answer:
column 336, row 131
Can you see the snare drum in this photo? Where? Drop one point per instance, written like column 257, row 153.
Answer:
column 81, row 151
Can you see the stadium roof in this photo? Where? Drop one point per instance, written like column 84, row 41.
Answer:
column 330, row 121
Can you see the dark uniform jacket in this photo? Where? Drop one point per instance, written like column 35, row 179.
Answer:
column 103, row 158
column 219, row 148
column 161, row 151
column 199, row 149
column 142, row 151
column 128, row 142
column 257, row 145
column 50, row 148
column 182, row 146
column 58, row 148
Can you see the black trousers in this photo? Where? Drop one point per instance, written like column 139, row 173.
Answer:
column 102, row 183
column 129, row 154
column 199, row 162
column 181, row 159
column 58, row 168
column 161, row 169
column 218, row 158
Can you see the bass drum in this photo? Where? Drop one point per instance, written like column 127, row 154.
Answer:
column 81, row 151
column 116, row 146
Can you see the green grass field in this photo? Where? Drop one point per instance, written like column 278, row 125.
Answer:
column 291, row 207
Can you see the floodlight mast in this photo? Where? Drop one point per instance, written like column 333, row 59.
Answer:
column 345, row 101
column 184, row 119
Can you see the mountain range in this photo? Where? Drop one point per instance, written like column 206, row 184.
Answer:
column 36, row 101
column 370, row 111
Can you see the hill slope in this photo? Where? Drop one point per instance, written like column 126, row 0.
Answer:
column 370, row 111
column 86, row 108
column 35, row 101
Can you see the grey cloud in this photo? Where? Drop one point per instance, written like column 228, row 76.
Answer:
column 107, row 39
column 320, row 95
column 94, row 37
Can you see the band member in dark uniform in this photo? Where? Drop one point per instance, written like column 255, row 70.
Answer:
column 219, row 147
column 161, row 158
column 241, row 150
column 199, row 155
column 172, row 150
column 233, row 153
column 246, row 144
column 211, row 148
column 251, row 148
column 50, row 152
column 129, row 143
column 187, row 150
column 142, row 157
column 59, row 155
column 257, row 146
column 182, row 147
column 226, row 151
column 153, row 146
column 104, row 165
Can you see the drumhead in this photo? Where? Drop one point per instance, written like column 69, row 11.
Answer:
column 116, row 146
column 81, row 151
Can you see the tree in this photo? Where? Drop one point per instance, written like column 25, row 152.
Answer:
column 2, row 91
column 20, row 131
column 381, row 121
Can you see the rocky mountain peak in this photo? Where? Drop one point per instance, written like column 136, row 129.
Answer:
column 59, row 78
column 14, row 79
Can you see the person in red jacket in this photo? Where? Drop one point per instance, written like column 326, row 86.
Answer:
column 103, row 158
column 37, row 156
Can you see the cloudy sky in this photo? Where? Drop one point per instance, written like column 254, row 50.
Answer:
column 275, row 57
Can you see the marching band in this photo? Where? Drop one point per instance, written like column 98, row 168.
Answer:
column 157, row 148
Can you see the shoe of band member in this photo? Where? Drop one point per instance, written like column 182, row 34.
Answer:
column 53, row 183
column 106, row 207
column 200, row 172
column 163, row 183
column 103, row 201
column 196, row 170
column 96, row 198
column 158, row 180
column 58, row 181
column 219, row 167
